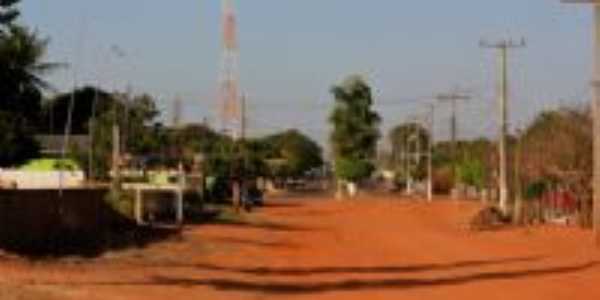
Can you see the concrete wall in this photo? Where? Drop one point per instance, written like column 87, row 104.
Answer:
column 40, row 180
column 43, row 220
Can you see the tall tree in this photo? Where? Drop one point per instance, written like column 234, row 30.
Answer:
column 355, row 131
column 88, row 101
column 568, row 162
column 16, row 142
column 297, row 152
column 135, row 118
column 8, row 12
column 407, row 141
column 22, row 71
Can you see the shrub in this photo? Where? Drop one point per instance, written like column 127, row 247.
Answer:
column 353, row 169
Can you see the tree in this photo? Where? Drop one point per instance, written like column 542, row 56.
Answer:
column 297, row 153
column 135, row 118
column 355, row 131
column 557, row 148
column 139, row 112
column 407, row 141
column 86, row 100
column 16, row 141
column 8, row 13
column 21, row 71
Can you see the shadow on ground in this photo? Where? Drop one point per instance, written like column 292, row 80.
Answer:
column 221, row 216
column 357, row 285
column 347, row 285
column 365, row 270
column 255, row 243
column 43, row 224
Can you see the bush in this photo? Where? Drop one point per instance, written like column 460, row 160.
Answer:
column 471, row 173
column 536, row 190
column 353, row 169
column 122, row 203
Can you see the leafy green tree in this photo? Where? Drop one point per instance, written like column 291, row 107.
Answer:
column 21, row 71
column 355, row 129
column 196, row 139
column 472, row 173
column 139, row 113
column 16, row 141
column 297, row 153
column 21, row 75
column 557, row 147
column 407, row 140
column 135, row 118
column 87, row 102
column 8, row 12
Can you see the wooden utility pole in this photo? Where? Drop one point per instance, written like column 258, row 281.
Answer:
column 503, row 46
column 596, row 113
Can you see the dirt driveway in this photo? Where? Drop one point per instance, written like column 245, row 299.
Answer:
column 314, row 248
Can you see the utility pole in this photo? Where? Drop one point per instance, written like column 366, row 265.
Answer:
column 91, row 132
column 430, row 153
column 243, row 118
column 177, row 112
column 116, row 158
column 404, row 161
column 453, row 98
column 126, row 128
column 596, row 113
column 503, row 46
column 518, row 209
column 411, row 155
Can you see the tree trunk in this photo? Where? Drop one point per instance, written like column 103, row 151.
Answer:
column 352, row 189
column 237, row 196
column 339, row 194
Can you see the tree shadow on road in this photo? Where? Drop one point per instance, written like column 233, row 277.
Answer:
column 280, row 287
column 265, row 271
column 248, row 242
column 218, row 217
column 295, row 288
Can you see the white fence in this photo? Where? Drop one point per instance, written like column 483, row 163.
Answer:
column 40, row 180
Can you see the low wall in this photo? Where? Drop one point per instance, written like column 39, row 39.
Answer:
column 45, row 221
column 41, row 180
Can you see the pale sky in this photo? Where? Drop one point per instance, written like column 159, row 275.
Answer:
column 293, row 51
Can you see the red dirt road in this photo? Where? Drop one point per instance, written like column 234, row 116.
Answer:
column 316, row 249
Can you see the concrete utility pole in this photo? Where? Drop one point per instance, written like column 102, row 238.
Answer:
column 116, row 157
column 596, row 112
column 177, row 112
column 91, row 133
column 243, row 119
column 430, row 153
column 453, row 98
column 518, row 209
column 503, row 46
column 412, row 156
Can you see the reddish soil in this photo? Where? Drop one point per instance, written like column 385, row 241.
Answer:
column 315, row 248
